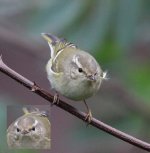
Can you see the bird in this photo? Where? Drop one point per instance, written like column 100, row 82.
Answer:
column 72, row 72
column 30, row 131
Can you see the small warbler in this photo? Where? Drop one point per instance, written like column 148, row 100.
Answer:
column 72, row 72
column 30, row 131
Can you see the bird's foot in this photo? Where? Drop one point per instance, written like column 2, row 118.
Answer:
column 55, row 99
column 88, row 117
column 35, row 87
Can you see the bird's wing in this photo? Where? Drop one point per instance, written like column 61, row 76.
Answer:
column 56, row 44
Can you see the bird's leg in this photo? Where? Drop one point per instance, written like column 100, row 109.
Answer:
column 88, row 117
column 35, row 87
column 55, row 99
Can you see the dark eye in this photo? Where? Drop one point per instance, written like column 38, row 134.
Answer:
column 80, row 70
column 18, row 130
column 33, row 129
column 95, row 74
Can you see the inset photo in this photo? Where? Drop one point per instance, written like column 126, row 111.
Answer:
column 29, row 127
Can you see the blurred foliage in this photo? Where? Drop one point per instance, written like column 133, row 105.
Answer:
column 116, row 32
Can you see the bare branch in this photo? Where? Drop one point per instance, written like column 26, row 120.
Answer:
column 62, row 104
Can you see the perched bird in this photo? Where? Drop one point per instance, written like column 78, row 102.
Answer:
column 72, row 72
column 30, row 131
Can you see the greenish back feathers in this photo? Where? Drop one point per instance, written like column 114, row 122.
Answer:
column 56, row 44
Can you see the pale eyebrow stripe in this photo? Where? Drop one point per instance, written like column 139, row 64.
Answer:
column 76, row 61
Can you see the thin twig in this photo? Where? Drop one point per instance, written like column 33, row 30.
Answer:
column 62, row 104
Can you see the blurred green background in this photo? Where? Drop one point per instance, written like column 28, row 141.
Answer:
column 116, row 32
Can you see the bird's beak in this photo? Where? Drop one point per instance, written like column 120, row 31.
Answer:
column 91, row 77
column 25, row 132
column 49, row 37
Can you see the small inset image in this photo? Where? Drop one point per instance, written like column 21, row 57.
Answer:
column 29, row 127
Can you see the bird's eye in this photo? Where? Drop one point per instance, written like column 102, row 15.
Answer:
column 18, row 130
column 33, row 129
column 95, row 74
column 80, row 70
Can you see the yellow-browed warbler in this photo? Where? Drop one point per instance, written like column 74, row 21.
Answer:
column 71, row 71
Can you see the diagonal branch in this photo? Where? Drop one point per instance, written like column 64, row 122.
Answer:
column 62, row 104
